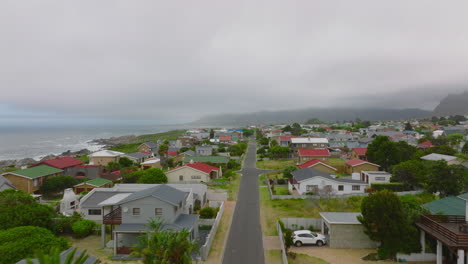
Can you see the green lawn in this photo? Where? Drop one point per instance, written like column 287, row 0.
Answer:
column 233, row 187
column 127, row 148
column 306, row 259
column 274, row 164
column 269, row 175
column 133, row 147
column 281, row 190
column 336, row 162
column 273, row 256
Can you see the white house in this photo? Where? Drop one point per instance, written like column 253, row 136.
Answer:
column 69, row 202
column 374, row 176
column 310, row 180
column 193, row 172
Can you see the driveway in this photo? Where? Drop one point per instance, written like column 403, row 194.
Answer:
column 245, row 245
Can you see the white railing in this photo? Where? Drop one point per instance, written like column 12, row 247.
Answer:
column 205, row 249
column 281, row 238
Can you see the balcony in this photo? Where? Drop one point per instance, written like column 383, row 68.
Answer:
column 113, row 218
column 452, row 230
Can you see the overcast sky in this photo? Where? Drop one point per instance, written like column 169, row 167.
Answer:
column 174, row 61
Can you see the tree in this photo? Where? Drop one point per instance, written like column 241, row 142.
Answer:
column 264, row 141
column 446, row 179
column 162, row 152
column 233, row 165
column 465, row 148
column 113, row 166
column 405, row 151
column 248, row 132
column 288, row 239
column 455, row 139
column 132, row 177
column 296, row 129
column 314, row 121
column 211, row 133
column 57, row 184
column 22, row 242
column 287, row 128
column 441, row 149
column 165, row 246
column 18, row 208
column 411, row 173
column 383, row 152
column 408, row 126
column 125, row 162
column 287, row 172
column 153, row 175
column 384, row 221
column 273, row 143
column 207, row 213
column 279, row 152
column 54, row 257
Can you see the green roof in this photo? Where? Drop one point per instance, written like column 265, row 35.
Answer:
column 38, row 171
column 97, row 182
column 211, row 159
column 451, row 205
column 463, row 196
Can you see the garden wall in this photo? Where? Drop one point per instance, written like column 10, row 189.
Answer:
column 297, row 223
column 205, row 249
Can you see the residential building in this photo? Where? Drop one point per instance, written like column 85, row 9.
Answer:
column 357, row 165
column 206, row 150
column 69, row 203
column 151, row 163
column 218, row 160
column 138, row 157
column 5, row 184
column 149, row 147
column 31, row 179
column 425, row 145
column 63, row 163
column 91, row 184
column 304, row 155
column 187, row 141
column 318, row 165
column 103, row 157
column 370, row 177
column 308, row 143
column 193, row 172
column 318, row 182
column 181, row 156
column 358, row 153
column 436, row 157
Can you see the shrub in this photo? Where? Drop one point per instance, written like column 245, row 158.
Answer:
column 153, row 176
column 83, row 228
column 207, row 213
column 391, row 186
column 281, row 181
column 22, row 242
column 65, row 223
column 57, row 184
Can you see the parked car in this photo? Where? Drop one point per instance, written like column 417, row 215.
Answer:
column 307, row 237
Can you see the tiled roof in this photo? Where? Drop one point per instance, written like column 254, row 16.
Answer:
column 360, row 151
column 312, row 163
column 35, row 172
column 225, row 138
column 426, row 143
column 62, row 163
column 356, row 162
column 314, row 152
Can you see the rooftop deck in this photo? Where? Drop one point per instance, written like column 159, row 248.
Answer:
column 452, row 230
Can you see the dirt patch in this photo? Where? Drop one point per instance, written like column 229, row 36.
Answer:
column 271, row 242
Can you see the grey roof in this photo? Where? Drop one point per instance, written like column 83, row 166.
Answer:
column 341, row 218
column 162, row 192
column 151, row 144
column 187, row 221
column 183, row 221
column 307, row 173
column 173, row 149
column 137, row 155
column 132, row 228
column 436, row 156
column 94, row 198
column 63, row 257
column 190, row 152
column 5, row 184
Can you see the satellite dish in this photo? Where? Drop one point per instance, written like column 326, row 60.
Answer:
column 125, row 209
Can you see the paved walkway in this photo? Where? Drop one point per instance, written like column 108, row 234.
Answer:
column 245, row 243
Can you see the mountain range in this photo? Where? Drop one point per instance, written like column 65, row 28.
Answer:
column 453, row 104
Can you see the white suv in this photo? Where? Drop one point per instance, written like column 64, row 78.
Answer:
column 301, row 237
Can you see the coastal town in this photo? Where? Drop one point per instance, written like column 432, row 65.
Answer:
column 318, row 192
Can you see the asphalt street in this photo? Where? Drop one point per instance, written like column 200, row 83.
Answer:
column 245, row 241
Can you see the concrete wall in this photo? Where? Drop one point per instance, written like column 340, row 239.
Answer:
column 187, row 173
column 205, row 249
column 348, row 236
column 322, row 182
column 362, row 167
column 103, row 161
column 147, row 206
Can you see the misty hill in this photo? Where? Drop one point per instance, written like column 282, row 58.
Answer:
column 301, row 116
column 453, row 104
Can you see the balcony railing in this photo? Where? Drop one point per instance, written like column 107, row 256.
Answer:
column 113, row 218
column 450, row 229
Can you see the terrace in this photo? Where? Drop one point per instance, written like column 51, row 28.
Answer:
column 451, row 230
column 114, row 217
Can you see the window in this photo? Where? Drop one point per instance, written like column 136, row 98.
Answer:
column 181, row 178
column 157, row 211
column 356, row 187
column 340, row 187
column 304, row 145
column 196, row 177
column 94, row 211
column 72, row 203
column 35, row 182
column 380, row 178
column 311, row 188
column 315, row 145
column 136, row 211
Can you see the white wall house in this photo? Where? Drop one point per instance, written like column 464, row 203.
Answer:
column 374, row 176
column 321, row 183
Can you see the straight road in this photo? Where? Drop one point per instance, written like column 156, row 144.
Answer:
column 245, row 241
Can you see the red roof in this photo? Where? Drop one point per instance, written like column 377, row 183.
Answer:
column 199, row 166
column 61, row 163
column 356, row 162
column 426, row 144
column 225, row 138
column 314, row 152
column 312, row 163
column 360, row 151
column 172, row 153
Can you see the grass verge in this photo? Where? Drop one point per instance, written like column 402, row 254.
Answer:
column 217, row 248
column 273, row 256
column 305, row 259
column 233, row 187
column 274, row 164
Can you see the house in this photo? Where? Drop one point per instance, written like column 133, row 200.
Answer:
column 131, row 212
column 151, row 163
column 69, row 202
column 149, row 147
column 436, row 157
column 318, row 182
column 64, row 163
column 310, row 154
column 187, row 141
column 307, row 143
column 30, row 180
column 225, row 139
column 103, row 157
column 318, row 165
column 181, row 156
column 218, row 160
column 206, row 150
column 5, row 184
column 345, row 231
column 86, row 171
column 448, row 231
column 370, row 177
column 358, row 153
column 425, row 145
column 357, row 165
column 438, row 133
column 138, row 157
column 91, row 184
column 193, row 172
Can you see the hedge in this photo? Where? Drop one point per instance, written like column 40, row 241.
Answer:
column 392, row 186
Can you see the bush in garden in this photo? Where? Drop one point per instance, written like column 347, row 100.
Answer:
column 83, row 228
column 207, row 213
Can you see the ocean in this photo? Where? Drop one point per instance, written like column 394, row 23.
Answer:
column 37, row 142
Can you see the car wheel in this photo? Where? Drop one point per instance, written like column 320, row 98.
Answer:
column 298, row 243
column 320, row 243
